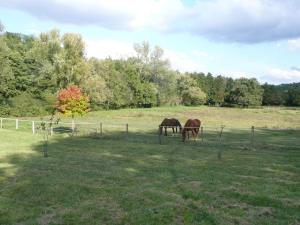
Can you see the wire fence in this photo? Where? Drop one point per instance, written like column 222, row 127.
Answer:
column 206, row 134
column 218, row 137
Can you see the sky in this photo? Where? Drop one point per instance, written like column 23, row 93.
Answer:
column 235, row 38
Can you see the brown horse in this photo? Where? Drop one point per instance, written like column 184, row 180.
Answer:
column 170, row 123
column 192, row 125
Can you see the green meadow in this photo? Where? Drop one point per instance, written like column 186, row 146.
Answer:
column 118, row 179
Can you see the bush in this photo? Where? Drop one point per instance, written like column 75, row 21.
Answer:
column 49, row 100
column 26, row 105
column 4, row 110
column 245, row 93
column 193, row 96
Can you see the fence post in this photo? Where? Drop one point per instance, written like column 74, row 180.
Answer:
column 51, row 130
column 1, row 123
column 73, row 127
column 100, row 129
column 252, row 137
column 159, row 134
column 17, row 124
column 33, row 127
column 126, row 130
column 45, row 147
column 202, row 133
column 220, row 147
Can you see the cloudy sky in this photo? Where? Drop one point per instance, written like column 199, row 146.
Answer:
column 249, row 38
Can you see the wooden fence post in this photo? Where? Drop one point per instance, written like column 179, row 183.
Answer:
column 45, row 147
column 33, row 127
column 252, row 137
column 73, row 127
column 17, row 124
column 220, row 147
column 159, row 134
column 202, row 133
column 1, row 123
column 126, row 130
column 101, row 129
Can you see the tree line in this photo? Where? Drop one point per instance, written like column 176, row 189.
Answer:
column 34, row 69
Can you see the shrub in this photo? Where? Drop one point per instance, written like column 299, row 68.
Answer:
column 72, row 102
column 49, row 100
column 193, row 96
column 26, row 105
column 4, row 110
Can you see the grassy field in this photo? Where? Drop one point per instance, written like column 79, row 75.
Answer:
column 138, row 181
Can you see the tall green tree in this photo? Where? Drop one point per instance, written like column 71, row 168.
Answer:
column 153, row 68
column 73, row 67
column 294, row 95
column 218, row 90
column 7, row 84
column 190, row 92
column 46, row 55
column 95, row 85
column 18, row 61
column 245, row 93
column 273, row 95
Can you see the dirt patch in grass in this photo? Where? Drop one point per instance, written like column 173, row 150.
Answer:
column 105, row 210
column 192, row 186
column 49, row 218
column 264, row 211
column 291, row 202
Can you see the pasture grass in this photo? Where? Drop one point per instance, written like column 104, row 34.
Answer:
column 138, row 181
column 146, row 119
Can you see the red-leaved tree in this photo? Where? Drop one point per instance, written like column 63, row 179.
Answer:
column 72, row 102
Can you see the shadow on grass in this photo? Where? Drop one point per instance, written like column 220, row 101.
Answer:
column 119, row 179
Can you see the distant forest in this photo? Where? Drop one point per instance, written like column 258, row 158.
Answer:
column 34, row 69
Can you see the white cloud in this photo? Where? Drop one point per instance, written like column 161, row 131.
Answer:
column 294, row 44
column 112, row 14
column 277, row 75
column 103, row 48
column 226, row 20
column 184, row 62
column 247, row 21
column 199, row 54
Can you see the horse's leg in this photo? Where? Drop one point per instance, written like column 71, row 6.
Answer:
column 165, row 131
column 195, row 134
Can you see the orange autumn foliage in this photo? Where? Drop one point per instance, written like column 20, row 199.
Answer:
column 72, row 102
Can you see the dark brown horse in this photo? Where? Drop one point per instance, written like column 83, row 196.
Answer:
column 170, row 123
column 192, row 125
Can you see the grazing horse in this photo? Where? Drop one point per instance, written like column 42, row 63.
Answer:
column 170, row 123
column 192, row 125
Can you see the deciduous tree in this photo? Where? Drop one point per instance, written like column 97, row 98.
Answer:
column 72, row 102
